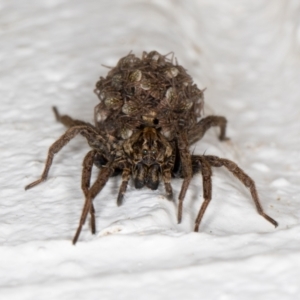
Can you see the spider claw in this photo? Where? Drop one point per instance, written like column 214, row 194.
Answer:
column 33, row 184
column 56, row 113
column 179, row 219
column 170, row 197
column 223, row 139
column 120, row 199
column 272, row 221
column 75, row 239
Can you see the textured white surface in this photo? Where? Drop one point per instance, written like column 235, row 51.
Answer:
column 247, row 54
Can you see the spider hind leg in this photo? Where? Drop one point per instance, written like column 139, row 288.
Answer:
column 204, row 163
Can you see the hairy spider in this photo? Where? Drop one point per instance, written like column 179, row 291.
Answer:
column 148, row 117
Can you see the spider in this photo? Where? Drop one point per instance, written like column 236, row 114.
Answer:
column 144, row 132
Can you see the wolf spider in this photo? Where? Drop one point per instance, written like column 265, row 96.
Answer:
column 148, row 157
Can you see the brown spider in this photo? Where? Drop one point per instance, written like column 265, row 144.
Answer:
column 139, row 136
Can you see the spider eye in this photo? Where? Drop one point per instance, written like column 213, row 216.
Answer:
column 145, row 152
column 153, row 152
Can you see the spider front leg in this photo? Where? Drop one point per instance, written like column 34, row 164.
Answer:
column 88, row 132
column 103, row 176
column 166, row 176
column 187, row 172
column 185, row 140
column 198, row 131
column 87, row 164
column 125, row 178
column 215, row 161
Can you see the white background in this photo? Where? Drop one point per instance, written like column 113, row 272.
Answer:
column 247, row 54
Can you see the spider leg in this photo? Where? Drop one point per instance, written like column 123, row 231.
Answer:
column 125, row 178
column 207, row 189
column 186, row 161
column 85, row 183
column 198, row 131
column 166, row 176
column 167, row 181
column 89, row 132
column 232, row 167
column 66, row 120
column 103, row 176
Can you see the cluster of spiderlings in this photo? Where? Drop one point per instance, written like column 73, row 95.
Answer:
column 147, row 91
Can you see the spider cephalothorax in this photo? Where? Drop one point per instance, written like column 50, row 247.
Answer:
column 150, row 155
column 148, row 117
